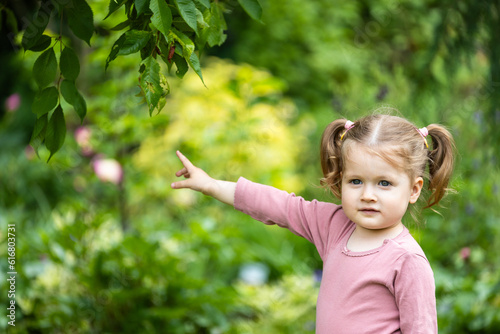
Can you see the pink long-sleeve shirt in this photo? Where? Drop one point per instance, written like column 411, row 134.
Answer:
column 389, row 289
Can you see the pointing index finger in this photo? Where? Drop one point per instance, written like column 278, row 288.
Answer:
column 185, row 161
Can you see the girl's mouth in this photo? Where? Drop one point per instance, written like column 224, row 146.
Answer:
column 369, row 210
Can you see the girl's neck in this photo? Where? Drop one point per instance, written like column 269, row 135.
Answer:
column 363, row 239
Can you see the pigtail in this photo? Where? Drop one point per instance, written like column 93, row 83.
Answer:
column 331, row 156
column 440, row 162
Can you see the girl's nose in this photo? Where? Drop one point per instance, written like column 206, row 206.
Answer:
column 368, row 195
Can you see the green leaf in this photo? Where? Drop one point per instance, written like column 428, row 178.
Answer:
column 35, row 28
column 45, row 101
column 128, row 43
column 121, row 26
column 141, row 6
column 147, row 50
column 200, row 19
column 45, row 68
column 73, row 97
column 216, row 37
column 134, row 41
column 194, row 62
column 55, row 132
column 205, row 3
column 162, row 103
column 38, row 134
column 252, row 7
column 42, row 44
column 69, row 64
column 214, row 34
column 81, row 19
column 150, row 82
column 11, row 21
column 185, row 42
column 162, row 16
column 187, row 9
column 113, row 6
column 182, row 66
column 115, row 49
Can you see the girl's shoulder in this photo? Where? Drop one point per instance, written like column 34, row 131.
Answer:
column 408, row 259
column 407, row 248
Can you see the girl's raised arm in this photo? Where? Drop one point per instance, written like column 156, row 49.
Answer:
column 197, row 179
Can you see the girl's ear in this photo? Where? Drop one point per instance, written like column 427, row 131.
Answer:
column 416, row 188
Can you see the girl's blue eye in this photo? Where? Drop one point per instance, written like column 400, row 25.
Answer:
column 356, row 181
column 384, row 183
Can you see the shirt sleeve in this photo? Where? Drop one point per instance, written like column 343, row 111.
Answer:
column 309, row 219
column 415, row 295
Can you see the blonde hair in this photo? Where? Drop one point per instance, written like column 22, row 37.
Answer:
column 396, row 140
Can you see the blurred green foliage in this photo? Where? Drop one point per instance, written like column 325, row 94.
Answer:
column 135, row 256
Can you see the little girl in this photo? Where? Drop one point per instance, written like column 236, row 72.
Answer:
column 376, row 278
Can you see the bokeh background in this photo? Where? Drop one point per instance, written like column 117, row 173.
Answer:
column 105, row 246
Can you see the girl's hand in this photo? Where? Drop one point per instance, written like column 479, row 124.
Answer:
column 196, row 178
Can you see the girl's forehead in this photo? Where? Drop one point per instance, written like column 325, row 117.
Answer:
column 366, row 160
column 359, row 156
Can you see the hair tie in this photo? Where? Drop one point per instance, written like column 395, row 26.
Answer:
column 347, row 126
column 424, row 133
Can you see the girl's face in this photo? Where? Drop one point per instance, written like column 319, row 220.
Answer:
column 376, row 194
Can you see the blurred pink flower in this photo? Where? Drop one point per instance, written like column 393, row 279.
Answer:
column 82, row 137
column 108, row 170
column 13, row 102
column 29, row 152
column 465, row 253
